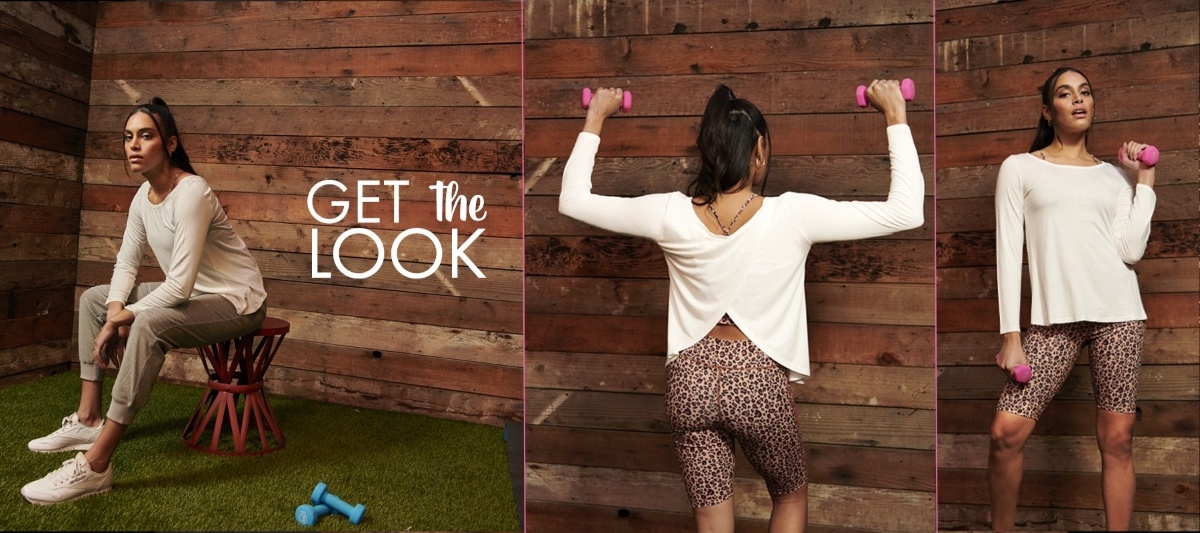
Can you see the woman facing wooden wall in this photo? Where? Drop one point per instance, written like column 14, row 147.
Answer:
column 45, row 69
column 1142, row 59
column 599, row 455
column 273, row 97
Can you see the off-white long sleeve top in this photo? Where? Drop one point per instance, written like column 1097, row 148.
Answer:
column 1083, row 228
column 194, row 244
column 756, row 275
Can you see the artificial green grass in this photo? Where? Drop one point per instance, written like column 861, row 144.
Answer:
column 413, row 473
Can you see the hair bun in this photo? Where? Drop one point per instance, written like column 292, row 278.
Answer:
column 158, row 101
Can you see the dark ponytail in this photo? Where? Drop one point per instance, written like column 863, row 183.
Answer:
column 728, row 135
column 164, row 122
column 1045, row 129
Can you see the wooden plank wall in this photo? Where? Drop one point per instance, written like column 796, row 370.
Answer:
column 45, row 69
column 598, row 452
column 1142, row 59
column 273, row 97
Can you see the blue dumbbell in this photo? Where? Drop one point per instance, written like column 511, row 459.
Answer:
column 321, row 496
column 308, row 515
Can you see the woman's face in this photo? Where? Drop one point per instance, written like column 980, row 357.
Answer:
column 144, row 147
column 1071, row 106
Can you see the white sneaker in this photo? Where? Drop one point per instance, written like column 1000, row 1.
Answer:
column 73, row 435
column 75, row 479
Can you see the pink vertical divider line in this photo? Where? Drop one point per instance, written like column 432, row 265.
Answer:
column 524, row 518
column 933, row 105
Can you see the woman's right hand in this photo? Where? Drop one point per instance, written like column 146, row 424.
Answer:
column 885, row 96
column 605, row 102
column 1011, row 354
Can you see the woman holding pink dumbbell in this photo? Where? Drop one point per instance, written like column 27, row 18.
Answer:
column 736, row 324
column 1082, row 222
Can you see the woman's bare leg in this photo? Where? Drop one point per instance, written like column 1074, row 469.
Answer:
column 789, row 514
column 715, row 519
column 1114, row 435
column 1005, row 466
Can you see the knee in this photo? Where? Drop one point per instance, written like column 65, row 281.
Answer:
column 94, row 296
column 1115, row 443
column 1006, row 438
column 795, row 497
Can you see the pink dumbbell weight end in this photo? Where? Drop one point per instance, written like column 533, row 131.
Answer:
column 908, row 90
column 1149, row 156
column 1022, row 373
column 626, row 99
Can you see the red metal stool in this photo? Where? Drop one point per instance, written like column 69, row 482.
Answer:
column 246, row 364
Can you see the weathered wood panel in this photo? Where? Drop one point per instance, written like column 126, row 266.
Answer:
column 279, row 97
column 599, row 454
column 45, row 67
column 992, row 57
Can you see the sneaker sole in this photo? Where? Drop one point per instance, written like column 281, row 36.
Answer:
column 74, row 448
column 80, row 497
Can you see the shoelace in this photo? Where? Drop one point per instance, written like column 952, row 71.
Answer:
column 70, row 471
column 67, row 425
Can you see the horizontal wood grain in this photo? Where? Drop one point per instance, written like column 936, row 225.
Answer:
column 795, row 135
column 482, row 27
column 182, row 367
column 487, row 379
column 1073, row 417
column 28, row 190
column 899, row 46
column 906, row 510
column 1144, row 68
column 1171, row 238
column 853, row 425
column 498, row 221
column 36, row 329
column 39, row 219
column 391, row 91
column 773, row 93
column 977, row 517
column 1155, row 382
column 24, row 98
column 552, row 19
column 1066, row 43
column 889, row 468
column 1115, row 104
column 26, row 302
column 459, row 60
column 830, row 383
column 1173, row 274
column 1159, row 493
column 62, row 24
column 36, row 72
column 37, row 246
column 496, row 189
column 35, row 274
column 382, row 153
column 829, row 176
column 23, row 358
column 1010, row 18
column 474, row 123
column 33, row 161
column 1163, row 346
column 1170, row 310
column 1152, row 455
column 126, row 15
column 19, row 33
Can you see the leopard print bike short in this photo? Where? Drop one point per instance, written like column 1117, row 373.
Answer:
column 1116, row 356
column 720, row 391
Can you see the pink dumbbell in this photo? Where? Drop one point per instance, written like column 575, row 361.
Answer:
column 908, row 90
column 1149, row 156
column 626, row 99
column 1022, row 373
